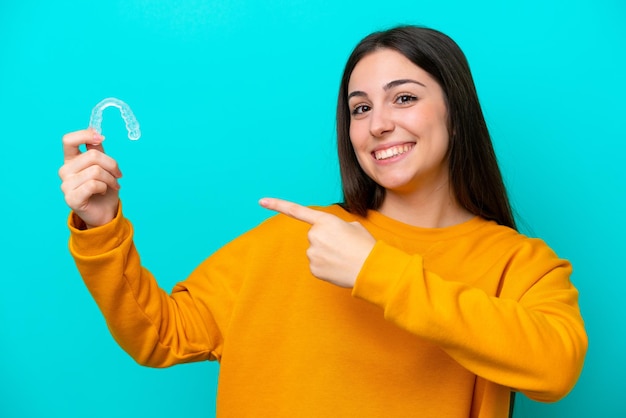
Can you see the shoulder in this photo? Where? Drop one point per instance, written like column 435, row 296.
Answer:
column 517, row 250
column 491, row 231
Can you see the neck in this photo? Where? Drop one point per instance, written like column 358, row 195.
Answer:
column 433, row 209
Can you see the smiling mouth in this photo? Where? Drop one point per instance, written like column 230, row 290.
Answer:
column 391, row 152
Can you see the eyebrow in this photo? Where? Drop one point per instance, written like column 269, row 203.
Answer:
column 387, row 86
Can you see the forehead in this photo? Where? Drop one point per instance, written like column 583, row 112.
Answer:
column 381, row 66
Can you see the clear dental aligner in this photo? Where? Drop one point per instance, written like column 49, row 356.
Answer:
column 132, row 126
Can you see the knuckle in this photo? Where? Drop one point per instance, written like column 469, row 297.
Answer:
column 92, row 154
column 72, row 199
column 95, row 186
column 314, row 269
column 310, row 254
column 90, row 187
column 93, row 171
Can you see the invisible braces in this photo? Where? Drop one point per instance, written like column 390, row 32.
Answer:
column 132, row 126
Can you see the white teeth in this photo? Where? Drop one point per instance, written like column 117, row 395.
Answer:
column 392, row 152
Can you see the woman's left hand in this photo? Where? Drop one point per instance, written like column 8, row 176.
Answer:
column 337, row 248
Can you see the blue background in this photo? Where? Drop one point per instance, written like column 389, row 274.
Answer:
column 236, row 101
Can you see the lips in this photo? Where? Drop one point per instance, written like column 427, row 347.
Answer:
column 394, row 151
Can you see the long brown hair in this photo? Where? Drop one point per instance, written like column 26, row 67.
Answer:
column 474, row 173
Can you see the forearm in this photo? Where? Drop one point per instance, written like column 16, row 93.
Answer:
column 146, row 322
column 535, row 344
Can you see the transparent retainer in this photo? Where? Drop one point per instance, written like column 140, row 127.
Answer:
column 132, row 126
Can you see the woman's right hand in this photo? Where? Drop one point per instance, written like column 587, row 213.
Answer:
column 90, row 178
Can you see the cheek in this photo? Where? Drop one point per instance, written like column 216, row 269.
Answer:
column 358, row 136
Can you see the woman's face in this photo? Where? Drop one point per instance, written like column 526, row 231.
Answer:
column 398, row 125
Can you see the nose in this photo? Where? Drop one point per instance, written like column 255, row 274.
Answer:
column 380, row 122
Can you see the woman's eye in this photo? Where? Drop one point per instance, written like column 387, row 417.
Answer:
column 405, row 98
column 360, row 109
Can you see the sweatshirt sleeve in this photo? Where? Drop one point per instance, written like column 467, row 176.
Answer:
column 531, row 338
column 155, row 328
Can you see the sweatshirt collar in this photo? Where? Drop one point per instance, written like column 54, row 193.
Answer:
column 415, row 232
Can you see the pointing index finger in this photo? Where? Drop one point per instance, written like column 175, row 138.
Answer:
column 293, row 210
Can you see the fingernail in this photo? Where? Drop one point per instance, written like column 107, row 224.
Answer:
column 97, row 138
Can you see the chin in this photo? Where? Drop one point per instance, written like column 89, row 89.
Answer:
column 397, row 181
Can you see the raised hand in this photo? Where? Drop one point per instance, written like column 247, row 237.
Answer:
column 90, row 178
column 337, row 248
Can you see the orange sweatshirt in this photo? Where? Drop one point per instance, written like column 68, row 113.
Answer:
column 441, row 322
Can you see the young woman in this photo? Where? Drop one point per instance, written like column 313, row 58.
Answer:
column 414, row 297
